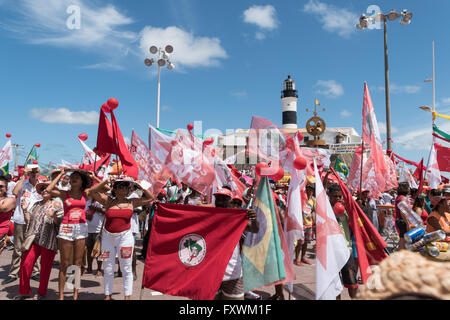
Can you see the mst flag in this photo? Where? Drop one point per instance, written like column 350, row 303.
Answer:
column 189, row 249
column 443, row 157
column 262, row 258
column 433, row 168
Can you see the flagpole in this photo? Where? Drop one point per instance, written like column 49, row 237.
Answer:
column 434, row 110
column 362, row 162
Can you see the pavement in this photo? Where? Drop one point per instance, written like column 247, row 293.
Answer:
column 92, row 286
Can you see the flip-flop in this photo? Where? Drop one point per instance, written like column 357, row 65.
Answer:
column 298, row 263
column 308, row 263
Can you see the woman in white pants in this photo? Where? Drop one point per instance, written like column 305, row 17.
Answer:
column 117, row 237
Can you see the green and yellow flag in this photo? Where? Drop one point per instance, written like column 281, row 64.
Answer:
column 340, row 166
column 31, row 156
column 262, row 255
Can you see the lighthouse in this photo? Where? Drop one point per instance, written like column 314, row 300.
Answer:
column 289, row 100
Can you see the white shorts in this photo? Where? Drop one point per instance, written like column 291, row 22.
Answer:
column 71, row 232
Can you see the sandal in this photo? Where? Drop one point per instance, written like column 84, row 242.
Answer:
column 276, row 297
column 38, row 297
column 298, row 263
column 22, row 297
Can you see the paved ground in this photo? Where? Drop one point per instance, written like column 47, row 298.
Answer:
column 92, row 287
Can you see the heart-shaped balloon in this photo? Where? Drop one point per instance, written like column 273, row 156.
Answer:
column 190, row 126
column 83, row 136
column 8, row 135
column 300, row 163
column 338, row 208
column 259, row 167
column 278, row 175
column 38, row 145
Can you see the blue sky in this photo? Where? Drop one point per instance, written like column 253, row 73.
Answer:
column 231, row 58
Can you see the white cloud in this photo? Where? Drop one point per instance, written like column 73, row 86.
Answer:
column 330, row 88
column 239, row 94
column 383, row 130
column 104, row 66
column 166, row 108
column 45, row 22
column 262, row 16
column 395, row 88
column 345, row 114
column 445, row 101
column 336, row 20
column 63, row 115
column 418, row 139
column 189, row 50
column 260, row 35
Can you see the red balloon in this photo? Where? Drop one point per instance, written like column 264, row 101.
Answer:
column 299, row 136
column 278, row 175
column 259, row 167
column 35, row 162
column 83, row 136
column 339, row 208
column 300, row 163
column 105, row 108
column 37, row 145
column 190, row 126
column 8, row 135
column 113, row 103
column 208, row 141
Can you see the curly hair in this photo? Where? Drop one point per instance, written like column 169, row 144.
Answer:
column 406, row 273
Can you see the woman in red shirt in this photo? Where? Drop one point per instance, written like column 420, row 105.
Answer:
column 73, row 230
column 117, row 236
column 7, row 206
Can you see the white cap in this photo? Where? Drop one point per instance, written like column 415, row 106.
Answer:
column 32, row 166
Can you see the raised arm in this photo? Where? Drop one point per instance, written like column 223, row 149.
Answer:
column 51, row 188
column 96, row 194
column 147, row 198
column 19, row 183
column 7, row 205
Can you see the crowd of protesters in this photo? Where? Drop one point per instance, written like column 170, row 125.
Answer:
column 68, row 211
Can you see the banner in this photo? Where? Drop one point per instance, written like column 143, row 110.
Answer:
column 6, row 156
column 150, row 168
column 187, row 252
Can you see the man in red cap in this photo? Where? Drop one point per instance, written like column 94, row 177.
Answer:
column 232, row 287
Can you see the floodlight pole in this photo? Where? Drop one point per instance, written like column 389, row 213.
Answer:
column 159, row 90
column 386, row 85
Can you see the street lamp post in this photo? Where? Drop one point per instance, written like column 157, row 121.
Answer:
column 162, row 56
column 363, row 24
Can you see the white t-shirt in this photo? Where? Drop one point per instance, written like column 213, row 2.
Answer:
column 135, row 217
column 95, row 225
column 234, row 267
column 28, row 191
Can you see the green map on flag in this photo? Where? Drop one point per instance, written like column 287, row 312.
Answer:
column 340, row 166
column 262, row 257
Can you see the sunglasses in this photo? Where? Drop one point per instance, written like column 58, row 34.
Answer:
column 122, row 185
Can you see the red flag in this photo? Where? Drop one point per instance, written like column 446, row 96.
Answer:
column 110, row 140
column 369, row 243
column 99, row 164
column 187, row 253
column 443, row 157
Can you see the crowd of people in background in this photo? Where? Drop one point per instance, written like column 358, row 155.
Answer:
column 67, row 213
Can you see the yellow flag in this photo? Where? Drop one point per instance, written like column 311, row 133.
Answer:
column 317, row 102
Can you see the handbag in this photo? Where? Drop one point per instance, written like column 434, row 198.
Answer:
column 26, row 245
column 97, row 249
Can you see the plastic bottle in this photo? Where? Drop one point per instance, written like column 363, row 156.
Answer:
column 434, row 236
column 412, row 217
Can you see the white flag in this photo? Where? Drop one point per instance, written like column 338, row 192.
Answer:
column 6, row 154
column 331, row 248
column 435, row 173
column 293, row 224
column 89, row 155
column 406, row 176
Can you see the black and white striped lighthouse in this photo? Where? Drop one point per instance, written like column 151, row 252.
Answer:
column 289, row 100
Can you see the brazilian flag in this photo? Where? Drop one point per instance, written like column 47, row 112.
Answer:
column 31, row 156
column 4, row 170
column 340, row 166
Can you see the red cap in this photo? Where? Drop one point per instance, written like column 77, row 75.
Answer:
column 237, row 198
column 163, row 192
column 225, row 192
